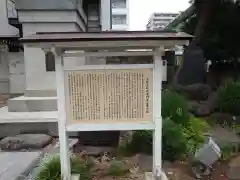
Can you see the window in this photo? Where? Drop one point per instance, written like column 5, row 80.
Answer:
column 119, row 19
column 50, row 61
column 119, row 4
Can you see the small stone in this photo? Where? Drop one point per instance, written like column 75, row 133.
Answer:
column 25, row 141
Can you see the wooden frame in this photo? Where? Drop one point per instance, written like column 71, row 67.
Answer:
column 155, row 124
column 156, row 41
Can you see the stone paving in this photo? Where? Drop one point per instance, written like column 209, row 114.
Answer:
column 16, row 165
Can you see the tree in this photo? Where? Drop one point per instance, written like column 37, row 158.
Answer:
column 215, row 26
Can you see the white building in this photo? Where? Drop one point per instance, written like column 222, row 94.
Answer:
column 49, row 15
column 120, row 14
column 158, row 21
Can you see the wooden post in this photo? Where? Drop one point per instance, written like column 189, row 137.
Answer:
column 62, row 130
column 157, row 97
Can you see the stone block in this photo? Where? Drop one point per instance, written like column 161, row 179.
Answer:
column 25, row 141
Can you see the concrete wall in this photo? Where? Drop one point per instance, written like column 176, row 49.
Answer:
column 5, row 28
column 4, row 73
column 17, row 73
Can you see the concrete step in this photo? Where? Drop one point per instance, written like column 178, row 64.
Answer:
column 32, row 104
column 13, row 123
column 40, row 93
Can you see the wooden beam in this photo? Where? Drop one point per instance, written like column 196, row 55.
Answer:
column 82, row 45
column 109, row 53
column 157, row 106
column 62, row 129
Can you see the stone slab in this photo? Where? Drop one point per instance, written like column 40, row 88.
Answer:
column 17, row 165
column 25, row 141
column 32, row 104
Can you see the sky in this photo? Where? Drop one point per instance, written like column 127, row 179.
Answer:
column 141, row 10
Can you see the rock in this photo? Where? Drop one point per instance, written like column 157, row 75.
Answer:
column 233, row 171
column 202, row 110
column 205, row 108
column 198, row 92
column 25, row 141
column 192, row 105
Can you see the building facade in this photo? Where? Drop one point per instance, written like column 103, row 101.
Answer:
column 120, row 14
column 159, row 21
column 26, row 17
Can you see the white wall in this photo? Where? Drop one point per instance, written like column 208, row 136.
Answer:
column 12, row 77
column 5, row 28
column 106, row 15
column 16, row 73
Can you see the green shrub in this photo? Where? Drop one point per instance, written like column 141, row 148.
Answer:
column 181, row 133
column 173, row 141
column 194, row 133
column 228, row 98
column 175, row 106
column 51, row 169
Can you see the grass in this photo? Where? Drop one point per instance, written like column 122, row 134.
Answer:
column 51, row 169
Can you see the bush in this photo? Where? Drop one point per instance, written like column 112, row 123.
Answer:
column 228, row 98
column 51, row 169
column 175, row 106
column 194, row 133
column 173, row 141
column 181, row 133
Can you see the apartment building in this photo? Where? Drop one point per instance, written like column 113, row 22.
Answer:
column 158, row 21
column 120, row 14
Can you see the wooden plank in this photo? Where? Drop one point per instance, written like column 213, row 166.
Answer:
column 157, row 96
column 63, row 136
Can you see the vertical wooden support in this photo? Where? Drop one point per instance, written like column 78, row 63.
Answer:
column 62, row 130
column 157, row 97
